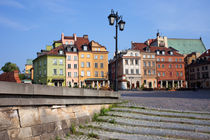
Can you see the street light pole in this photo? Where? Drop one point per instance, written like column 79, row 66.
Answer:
column 112, row 18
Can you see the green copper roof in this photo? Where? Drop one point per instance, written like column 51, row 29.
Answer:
column 186, row 46
column 29, row 61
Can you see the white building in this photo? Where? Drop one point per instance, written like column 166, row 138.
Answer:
column 128, row 72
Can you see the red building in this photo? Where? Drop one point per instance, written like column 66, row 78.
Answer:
column 170, row 70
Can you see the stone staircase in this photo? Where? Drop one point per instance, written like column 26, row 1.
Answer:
column 137, row 122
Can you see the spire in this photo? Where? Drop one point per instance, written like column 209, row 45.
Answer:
column 158, row 34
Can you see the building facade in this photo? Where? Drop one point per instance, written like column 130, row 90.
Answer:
column 199, row 71
column 129, row 72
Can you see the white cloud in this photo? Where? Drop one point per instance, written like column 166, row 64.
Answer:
column 11, row 3
column 13, row 24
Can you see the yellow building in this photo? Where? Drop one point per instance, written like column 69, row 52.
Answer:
column 93, row 65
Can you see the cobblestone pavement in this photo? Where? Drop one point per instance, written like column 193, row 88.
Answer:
column 178, row 100
column 148, row 116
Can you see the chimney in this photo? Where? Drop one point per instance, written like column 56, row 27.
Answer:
column 85, row 36
column 75, row 37
column 62, row 36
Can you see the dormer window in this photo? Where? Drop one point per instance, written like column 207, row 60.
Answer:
column 158, row 52
column 60, row 51
column 84, row 48
column 68, row 49
column 74, row 49
column 163, row 52
column 171, row 53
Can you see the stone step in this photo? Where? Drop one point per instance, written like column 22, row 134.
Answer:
column 153, row 124
column 78, row 137
column 150, row 131
column 104, row 134
column 159, row 118
column 161, row 113
column 133, row 105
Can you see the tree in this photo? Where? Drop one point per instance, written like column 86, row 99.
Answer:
column 9, row 67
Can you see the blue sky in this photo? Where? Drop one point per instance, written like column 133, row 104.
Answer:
column 27, row 26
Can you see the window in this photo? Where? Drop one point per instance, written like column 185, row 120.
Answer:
column 170, row 66
column 145, row 72
column 45, row 72
column 163, row 52
column 88, row 64
column 153, row 56
column 40, row 63
column 158, row 52
column 95, row 49
column 82, row 73
column 60, row 51
column 67, row 42
column 158, row 65
column 162, row 59
column 85, row 48
column 149, row 64
column 102, row 65
column 54, row 71
column 88, row 55
column 137, row 71
column 126, row 61
column 54, row 61
column 144, row 56
column 153, row 72
column 181, row 74
column 69, row 74
column 132, row 71
column 71, row 42
column 96, row 74
column 82, row 55
column 136, row 62
column 95, row 56
column 69, row 57
column 131, row 61
column 148, row 56
column 126, row 71
column 101, row 57
column 180, row 66
column 171, row 74
column 75, row 57
column 75, row 74
column 96, row 65
column 61, row 71
column 159, row 74
column 158, row 59
column 145, row 64
column 163, row 65
column 180, row 60
column 136, row 54
column 149, row 72
column 102, row 74
column 153, row 63
column 169, row 59
column 61, row 61
column 74, row 49
column 40, row 72
column 176, row 66
column 88, row 73
column 99, row 49
column 177, row 74
column 45, row 62
column 82, row 64
column 69, row 66
column 163, row 73
column 176, row 59
column 131, row 54
column 75, row 66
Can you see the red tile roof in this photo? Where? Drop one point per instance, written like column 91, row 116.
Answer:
column 81, row 41
column 142, row 48
column 10, row 76
column 206, row 54
column 55, row 50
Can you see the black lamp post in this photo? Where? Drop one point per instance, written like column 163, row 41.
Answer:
column 115, row 18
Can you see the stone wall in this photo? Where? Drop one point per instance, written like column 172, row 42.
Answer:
column 43, row 122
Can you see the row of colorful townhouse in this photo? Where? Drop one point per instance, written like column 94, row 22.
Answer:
column 156, row 63
column 72, row 61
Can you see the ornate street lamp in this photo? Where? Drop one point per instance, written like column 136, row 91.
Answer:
column 115, row 18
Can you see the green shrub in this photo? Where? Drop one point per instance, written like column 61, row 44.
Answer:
column 73, row 129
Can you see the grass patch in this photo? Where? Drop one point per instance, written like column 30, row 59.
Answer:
column 73, row 129
column 57, row 138
column 112, row 121
column 81, row 126
column 103, row 111
column 92, row 135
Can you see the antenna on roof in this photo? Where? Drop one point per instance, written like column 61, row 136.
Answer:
column 200, row 38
